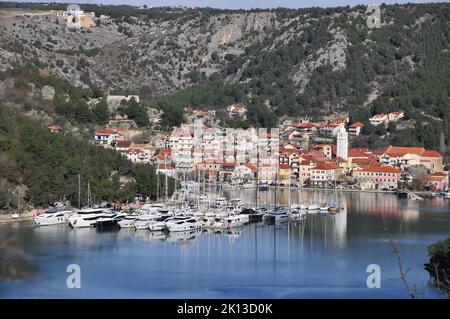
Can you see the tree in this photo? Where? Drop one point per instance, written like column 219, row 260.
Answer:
column 135, row 111
column 100, row 111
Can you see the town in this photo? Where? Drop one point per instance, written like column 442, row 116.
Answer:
column 298, row 153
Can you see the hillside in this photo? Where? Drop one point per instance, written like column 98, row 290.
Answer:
column 279, row 62
column 40, row 167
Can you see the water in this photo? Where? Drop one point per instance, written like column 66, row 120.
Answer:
column 323, row 256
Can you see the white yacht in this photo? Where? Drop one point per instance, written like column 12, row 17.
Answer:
column 232, row 221
column 53, row 216
column 110, row 222
column 276, row 216
column 128, row 221
column 159, row 224
column 184, row 224
column 88, row 217
column 143, row 221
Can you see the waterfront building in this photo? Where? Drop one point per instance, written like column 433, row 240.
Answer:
column 324, row 174
column 404, row 157
column 437, row 181
column 377, row 177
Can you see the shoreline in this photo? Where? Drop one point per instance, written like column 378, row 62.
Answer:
column 6, row 218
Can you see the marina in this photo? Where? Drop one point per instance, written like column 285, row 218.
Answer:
column 312, row 254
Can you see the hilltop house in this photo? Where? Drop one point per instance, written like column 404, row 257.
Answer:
column 106, row 136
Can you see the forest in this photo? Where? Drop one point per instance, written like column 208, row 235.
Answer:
column 48, row 164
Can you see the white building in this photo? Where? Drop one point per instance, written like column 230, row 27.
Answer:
column 378, row 119
column 106, row 136
column 342, row 144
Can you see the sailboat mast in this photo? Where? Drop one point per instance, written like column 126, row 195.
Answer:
column 257, row 176
column 79, row 191
column 165, row 166
column 157, row 181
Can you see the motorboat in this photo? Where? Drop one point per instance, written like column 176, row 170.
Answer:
column 297, row 214
column 159, row 224
column 87, row 217
column 250, row 215
column 110, row 222
column 53, row 216
column 190, row 223
column 334, row 208
column 232, row 221
column 276, row 216
column 128, row 221
column 143, row 221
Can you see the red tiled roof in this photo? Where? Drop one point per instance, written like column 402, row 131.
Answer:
column 327, row 167
column 106, row 131
column 355, row 153
column 124, row 144
column 304, row 125
column 381, row 169
column 433, row 178
column 357, row 124
column 431, row 154
column 400, row 150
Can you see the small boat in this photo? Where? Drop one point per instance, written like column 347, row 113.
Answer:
column 447, row 196
column 334, row 208
column 53, row 216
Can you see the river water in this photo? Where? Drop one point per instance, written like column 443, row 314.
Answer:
column 322, row 256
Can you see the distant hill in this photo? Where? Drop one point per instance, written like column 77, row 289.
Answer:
column 278, row 62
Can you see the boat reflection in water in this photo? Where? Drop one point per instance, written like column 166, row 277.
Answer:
column 183, row 236
column 320, row 255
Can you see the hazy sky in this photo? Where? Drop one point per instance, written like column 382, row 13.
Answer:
column 243, row 4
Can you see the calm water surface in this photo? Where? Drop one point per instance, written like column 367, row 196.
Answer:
column 322, row 256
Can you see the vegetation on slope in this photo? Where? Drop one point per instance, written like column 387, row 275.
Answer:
column 48, row 164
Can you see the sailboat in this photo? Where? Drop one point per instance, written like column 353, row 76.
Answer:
column 334, row 208
column 277, row 215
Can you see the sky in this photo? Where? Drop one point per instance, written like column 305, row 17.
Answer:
column 239, row 4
